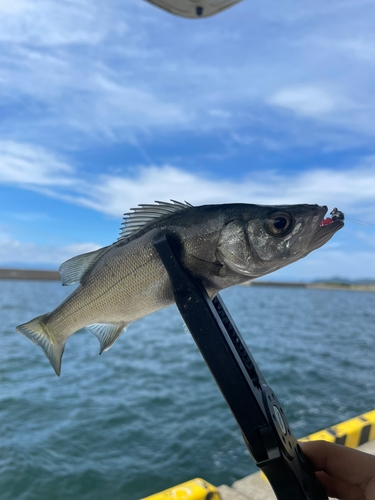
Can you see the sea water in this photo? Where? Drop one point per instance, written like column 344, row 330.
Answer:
column 147, row 414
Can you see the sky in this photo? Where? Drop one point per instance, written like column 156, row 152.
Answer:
column 108, row 104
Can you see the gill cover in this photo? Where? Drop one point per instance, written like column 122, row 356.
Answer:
column 233, row 248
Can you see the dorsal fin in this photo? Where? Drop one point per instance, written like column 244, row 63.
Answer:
column 143, row 214
column 73, row 270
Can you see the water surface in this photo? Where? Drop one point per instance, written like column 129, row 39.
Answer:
column 147, row 415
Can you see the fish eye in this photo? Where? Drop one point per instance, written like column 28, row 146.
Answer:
column 279, row 223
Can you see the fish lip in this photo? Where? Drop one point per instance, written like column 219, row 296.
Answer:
column 329, row 229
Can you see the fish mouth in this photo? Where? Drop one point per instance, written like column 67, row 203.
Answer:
column 326, row 227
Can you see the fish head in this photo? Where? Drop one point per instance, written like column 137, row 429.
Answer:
column 263, row 239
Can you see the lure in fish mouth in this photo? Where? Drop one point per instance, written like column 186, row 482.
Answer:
column 222, row 245
column 328, row 227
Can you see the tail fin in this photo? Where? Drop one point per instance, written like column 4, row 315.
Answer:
column 37, row 331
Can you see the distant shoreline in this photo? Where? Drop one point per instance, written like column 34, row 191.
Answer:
column 29, row 274
column 40, row 275
column 326, row 286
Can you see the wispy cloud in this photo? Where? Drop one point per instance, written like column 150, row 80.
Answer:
column 29, row 216
column 29, row 253
column 44, row 24
column 11, row 8
column 359, row 47
column 36, row 168
column 351, row 190
column 155, row 74
column 306, row 101
column 26, row 164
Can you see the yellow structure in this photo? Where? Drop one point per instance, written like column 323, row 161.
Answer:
column 196, row 489
column 352, row 433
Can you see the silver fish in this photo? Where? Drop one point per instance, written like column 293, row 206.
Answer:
column 222, row 245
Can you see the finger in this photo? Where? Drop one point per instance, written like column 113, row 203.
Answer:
column 347, row 464
column 337, row 488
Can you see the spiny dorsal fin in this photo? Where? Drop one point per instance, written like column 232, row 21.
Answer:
column 143, row 214
column 73, row 270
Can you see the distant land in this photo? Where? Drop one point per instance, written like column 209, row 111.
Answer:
column 28, row 274
column 336, row 283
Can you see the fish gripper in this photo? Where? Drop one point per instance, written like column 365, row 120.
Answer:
column 253, row 403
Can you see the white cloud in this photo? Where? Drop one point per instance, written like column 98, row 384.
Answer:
column 305, row 100
column 38, row 169
column 351, row 189
column 292, row 11
column 45, row 23
column 360, row 47
column 219, row 113
column 114, row 70
column 266, row 142
column 118, row 105
column 28, row 252
column 29, row 164
column 113, row 195
column 14, row 7
column 86, row 96
column 29, row 217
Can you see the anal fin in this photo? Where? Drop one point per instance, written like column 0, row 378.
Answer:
column 106, row 334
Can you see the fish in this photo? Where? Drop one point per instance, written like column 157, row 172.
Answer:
column 221, row 245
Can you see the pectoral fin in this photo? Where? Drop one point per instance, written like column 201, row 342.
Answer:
column 202, row 267
column 106, row 334
column 73, row 270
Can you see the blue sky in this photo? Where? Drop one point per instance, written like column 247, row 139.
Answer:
column 112, row 103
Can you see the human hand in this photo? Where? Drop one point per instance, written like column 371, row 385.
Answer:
column 344, row 473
